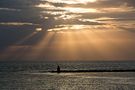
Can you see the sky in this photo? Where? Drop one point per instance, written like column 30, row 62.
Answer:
column 67, row 30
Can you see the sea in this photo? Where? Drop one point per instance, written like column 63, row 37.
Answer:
column 38, row 76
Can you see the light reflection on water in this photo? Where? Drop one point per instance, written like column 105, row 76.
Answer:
column 27, row 76
column 71, row 81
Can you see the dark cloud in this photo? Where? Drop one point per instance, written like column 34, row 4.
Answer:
column 130, row 2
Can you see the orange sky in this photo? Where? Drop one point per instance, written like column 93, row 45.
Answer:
column 87, row 45
column 67, row 30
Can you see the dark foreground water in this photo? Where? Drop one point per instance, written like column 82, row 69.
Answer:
column 28, row 76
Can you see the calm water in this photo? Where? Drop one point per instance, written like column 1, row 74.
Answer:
column 27, row 76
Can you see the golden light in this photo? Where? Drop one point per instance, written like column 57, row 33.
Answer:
column 38, row 29
column 72, row 1
column 46, row 17
column 80, row 10
column 119, row 9
column 47, row 5
column 86, row 1
column 67, row 9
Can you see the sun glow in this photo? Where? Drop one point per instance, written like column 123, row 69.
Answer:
column 80, row 10
column 68, row 9
column 38, row 29
column 86, row 1
column 72, row 1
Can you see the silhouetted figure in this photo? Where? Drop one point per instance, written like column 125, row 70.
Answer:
column 58, row 69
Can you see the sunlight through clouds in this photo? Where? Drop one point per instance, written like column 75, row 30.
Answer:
column 67, row 17
column 46, row 6
column 68, row 9
column 80, row 10
column 66, row 28
column 71, row 1
column 71, row 29
column 119, row 9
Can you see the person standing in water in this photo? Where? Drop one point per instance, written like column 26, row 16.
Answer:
column 58, row 69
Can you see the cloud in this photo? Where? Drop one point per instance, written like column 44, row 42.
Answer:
column 17, row 23
column 9, row 9
column 71, row 1
column 108, row 4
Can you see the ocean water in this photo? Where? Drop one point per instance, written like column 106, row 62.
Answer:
column 29, row 76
